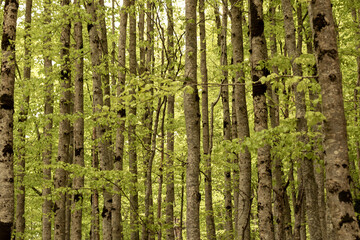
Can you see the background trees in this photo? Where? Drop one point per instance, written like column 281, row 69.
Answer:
column 90, row 166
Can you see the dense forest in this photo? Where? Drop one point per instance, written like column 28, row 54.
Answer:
column 190, row 119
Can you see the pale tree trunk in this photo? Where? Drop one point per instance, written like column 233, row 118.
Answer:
column 145, row 65
column 6, row 118
column 210, row 222
column 226, row 123
column 336, row 150
column 307, row 169
column 259, row 53
column 242, row 228
column 78, row 181
column 282, row 214
column 95, row 47
column 106, row 163
column 170, row 187
column 134, row 221
column 121, row 114
column 49, row 109
column 159, row 196
column 64, row 129
column 20, row 198
column 192, row 121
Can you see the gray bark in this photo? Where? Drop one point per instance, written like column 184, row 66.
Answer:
column 259, row 53
column 6, row 118
column 336, row 150
column 78, row 181
column 192, row 121
column 210, row 222
column 64, row 129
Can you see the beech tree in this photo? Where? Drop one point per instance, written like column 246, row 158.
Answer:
column 103, row 113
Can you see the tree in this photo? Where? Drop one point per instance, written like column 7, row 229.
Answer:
column 259, row 54
column 6, row 117
column 336, row 150
column 64, row 128
column 192, row 120
column 78, row 181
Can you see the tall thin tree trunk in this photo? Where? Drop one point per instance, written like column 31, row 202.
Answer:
column 282, row 214
column 64, row 128
column 98, row 149
column 48, row 111
column 6, row 118
column 226, row 122
column 192, row 121
column 106, row 162
column 242, row 228
column 170, row 187
column 20, row 198
column 134, row 221
column 210, row 222
column 335, row 144
column 121, row 114
column 259, row 53
column 78, row 181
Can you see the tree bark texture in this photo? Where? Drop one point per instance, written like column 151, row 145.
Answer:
column 258, row 54
column 336, row 150
column 134, row 221
column 60, row 178
column 226, row 122
column 170, row 187
column 46, row 155
column 121, row 114
column 242, row 229
column 78, row 181
column 210, row 222
column 6, row 118
column 192, row 121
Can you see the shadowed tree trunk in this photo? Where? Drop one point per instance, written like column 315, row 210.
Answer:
column 226, row 122
column 210, row 222
column 134, row 221
column 121, row 114
column 20, row 198
column 64, row 129
column 259, row 53
column 242, row 228
column 192, row 121
column 49, row 109
column 6, row 118
column 78, row 181
column 170, row 187
column 336, row 150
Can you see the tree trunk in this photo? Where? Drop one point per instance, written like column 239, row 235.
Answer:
column 20, row 198
column 192, row 121
column 121, row 114
column 170, row 187
column 210, row 222
column 242, row 229
column 6, row 118
column 336, row 150
column 78, row 181
column 134, row 221
column 226, row 123
column 259, row 53
column 48, row 111
column 106, row 163
column 64, row 129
